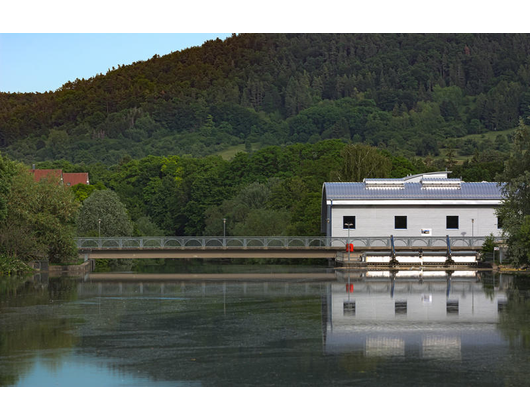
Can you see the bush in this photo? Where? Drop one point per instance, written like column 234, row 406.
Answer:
column 488, row 247
column 10, row 265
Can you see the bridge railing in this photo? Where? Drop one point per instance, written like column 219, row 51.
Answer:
column 275, row 242
column 208, row 242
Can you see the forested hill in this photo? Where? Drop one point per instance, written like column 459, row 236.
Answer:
column 407, row 93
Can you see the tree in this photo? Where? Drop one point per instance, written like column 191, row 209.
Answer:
column 361, row 162
column 7, row 171
column 83, row 191
column 515, row 211
column 525, row 237
column 144, row 226
column 297, row 94
column 37, row 217
column 263, row 222
column 103, row 213
column 305, row 216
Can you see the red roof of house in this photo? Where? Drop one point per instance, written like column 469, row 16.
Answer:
column 46, row 173
column 67, row 179
column 75, row 178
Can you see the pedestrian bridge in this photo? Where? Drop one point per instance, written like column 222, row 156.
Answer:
column 259, row 247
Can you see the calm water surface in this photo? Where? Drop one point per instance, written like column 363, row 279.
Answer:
column 265, row 326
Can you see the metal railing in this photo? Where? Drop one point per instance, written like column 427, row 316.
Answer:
column 276, row 242
column 206, row 242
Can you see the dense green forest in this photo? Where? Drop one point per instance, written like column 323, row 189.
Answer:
column 273, row 191
column 296, row 111
column 411, row 94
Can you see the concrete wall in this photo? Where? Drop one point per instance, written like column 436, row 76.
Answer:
column 71, row 270
column 373, row 221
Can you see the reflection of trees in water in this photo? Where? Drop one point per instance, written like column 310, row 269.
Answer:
column 29, row 324
column 514, row 325
column 109, row 265
column 515, row 320
column 212, row 334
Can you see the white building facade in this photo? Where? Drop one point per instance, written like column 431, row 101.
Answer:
column 428, row 204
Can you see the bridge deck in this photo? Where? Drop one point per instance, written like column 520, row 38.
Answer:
column 258, row 247
column 131, row 253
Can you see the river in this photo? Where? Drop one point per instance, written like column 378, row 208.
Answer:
column 258, row 325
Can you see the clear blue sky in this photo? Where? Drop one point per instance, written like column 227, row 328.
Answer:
column 43, row 62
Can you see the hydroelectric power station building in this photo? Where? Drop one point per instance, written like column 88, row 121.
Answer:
column 429, row 204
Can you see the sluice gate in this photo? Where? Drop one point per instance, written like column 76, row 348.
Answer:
column 415, row 257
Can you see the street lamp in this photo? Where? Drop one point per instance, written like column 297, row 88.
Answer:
column 224, row 227
column 328, row 232
column 472, row 228
column 99, row 228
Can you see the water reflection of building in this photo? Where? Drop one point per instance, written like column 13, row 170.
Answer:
column 430, row 314
column 433, row 315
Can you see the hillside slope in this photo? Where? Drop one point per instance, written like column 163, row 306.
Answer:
column 408, row 93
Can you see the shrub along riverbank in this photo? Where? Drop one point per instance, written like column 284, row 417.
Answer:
column 10, row 266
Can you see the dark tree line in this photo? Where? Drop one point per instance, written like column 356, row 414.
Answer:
column 404, row 92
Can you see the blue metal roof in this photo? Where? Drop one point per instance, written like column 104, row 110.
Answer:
column 412, row 190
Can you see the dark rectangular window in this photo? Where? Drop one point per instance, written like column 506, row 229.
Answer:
column 400, row 222
column 499, row 223
column 348, row 222
column 348, row 308
column 452, row 307
column 400, row 307
column 452, row 222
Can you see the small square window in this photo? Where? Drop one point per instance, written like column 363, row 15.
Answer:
column 400, row 222
column 452, row 222
column 348, row 222
column 348, row 308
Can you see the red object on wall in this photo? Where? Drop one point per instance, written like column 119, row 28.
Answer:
column 349, row 247
column 349, row 288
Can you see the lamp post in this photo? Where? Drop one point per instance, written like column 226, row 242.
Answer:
column 99, row 232
column 472, row 230
column 328, row 232
column 224, row 232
